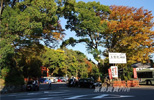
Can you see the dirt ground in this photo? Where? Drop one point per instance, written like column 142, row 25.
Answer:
column 2, row 82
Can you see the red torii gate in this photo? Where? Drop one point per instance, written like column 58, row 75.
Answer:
column 44, row 69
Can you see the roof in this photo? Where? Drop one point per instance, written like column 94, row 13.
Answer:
column 140, row 65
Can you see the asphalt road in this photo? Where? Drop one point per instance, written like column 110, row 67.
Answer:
column 62, row 92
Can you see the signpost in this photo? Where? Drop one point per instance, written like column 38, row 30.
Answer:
column 117, row 58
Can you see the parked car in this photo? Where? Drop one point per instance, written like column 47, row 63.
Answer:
column 88, row 82
column 54, row 79
column 63, row 79
column 30, row 86
column 43, row 80
column 59, row 80
column 72, row 82
column 46, row 80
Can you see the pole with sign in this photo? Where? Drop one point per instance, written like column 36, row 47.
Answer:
column 116, row 58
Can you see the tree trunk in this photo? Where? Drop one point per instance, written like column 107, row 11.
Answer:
column 1, row 7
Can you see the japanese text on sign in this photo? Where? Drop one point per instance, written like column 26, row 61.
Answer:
column 114, row 70
column 117, row 58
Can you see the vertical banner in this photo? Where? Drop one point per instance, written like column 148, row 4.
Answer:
column 110, row 73
column 114, row 70
column 135, row 73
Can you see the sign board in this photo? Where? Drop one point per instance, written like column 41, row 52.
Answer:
column 114, row 71
column 117, row 58
column 110, row 73
column 135, row 73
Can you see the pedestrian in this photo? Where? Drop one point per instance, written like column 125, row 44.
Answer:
column 49, row 82
column 34, row 84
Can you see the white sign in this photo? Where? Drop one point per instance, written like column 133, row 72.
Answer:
column 114, row 71
column 115, row 58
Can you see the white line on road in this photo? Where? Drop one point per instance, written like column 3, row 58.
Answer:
column 100, row 96
column 37, row 98
column 52, row 92
column 75, row 97
column 33, row 93
column 126, row 96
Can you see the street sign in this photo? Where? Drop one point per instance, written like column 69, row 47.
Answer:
column 117, row 58
column 114, row 71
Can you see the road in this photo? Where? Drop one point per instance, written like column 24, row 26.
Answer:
column 62, row 92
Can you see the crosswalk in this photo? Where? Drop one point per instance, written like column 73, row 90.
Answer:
column 65, row 95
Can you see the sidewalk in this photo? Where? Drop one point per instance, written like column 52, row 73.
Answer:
column 144, row 87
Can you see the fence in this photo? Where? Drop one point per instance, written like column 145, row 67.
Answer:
column 129, row 83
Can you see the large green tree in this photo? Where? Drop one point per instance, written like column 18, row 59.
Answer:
column 25, row 25
column 74, row 63
column 54, row 60
column 85, row 20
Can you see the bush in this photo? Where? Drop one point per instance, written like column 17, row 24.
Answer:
column 4, row 72
column 14, row 77
column 84, row 75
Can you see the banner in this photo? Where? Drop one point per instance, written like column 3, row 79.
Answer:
column 135, row 73
column 116, row 58
column 114, row 70
column 110, row 73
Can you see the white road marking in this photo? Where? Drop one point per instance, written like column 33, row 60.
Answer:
column 75, row 97
column 126, row 96
column 32, row 93
column 52, row 92
column 62, row 94
column 100, row 96
column 46, row 92
column 37, row 98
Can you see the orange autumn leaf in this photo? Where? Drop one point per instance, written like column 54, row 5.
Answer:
column 130, row 31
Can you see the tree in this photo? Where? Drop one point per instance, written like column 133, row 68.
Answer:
column 10, row 71
column 54, row 60
column 92, row 68
column 71, row 62
column 32, row 21
column 25, row 25
column 129, row 31
column 85, row 20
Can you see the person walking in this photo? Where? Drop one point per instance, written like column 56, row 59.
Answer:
column 49, row 82
column 34, row 84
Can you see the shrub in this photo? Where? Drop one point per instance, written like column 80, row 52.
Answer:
column 14, row 77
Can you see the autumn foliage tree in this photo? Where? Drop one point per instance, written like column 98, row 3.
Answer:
column 129, row 31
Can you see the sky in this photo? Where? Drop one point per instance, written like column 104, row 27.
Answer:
column 146, row 4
